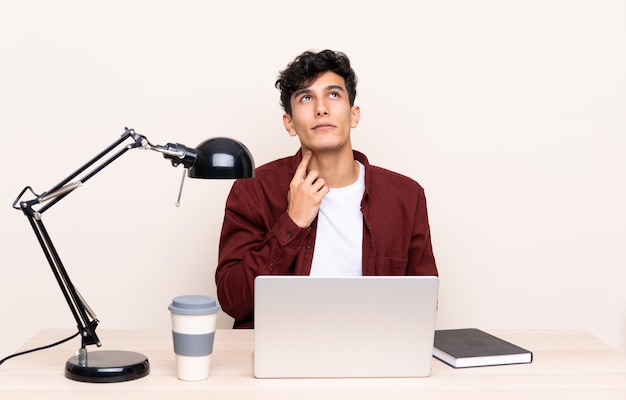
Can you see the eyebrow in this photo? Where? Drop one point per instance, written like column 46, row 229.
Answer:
column 327, row 88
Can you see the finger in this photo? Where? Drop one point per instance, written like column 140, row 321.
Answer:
column 312, row 177
column 304, row 164
column 319, row 186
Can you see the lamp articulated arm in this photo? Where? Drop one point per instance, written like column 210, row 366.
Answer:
column 211, row 161
column 85, row 318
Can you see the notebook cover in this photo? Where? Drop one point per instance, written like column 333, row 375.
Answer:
column 473, row 347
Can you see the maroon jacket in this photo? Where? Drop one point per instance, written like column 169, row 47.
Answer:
column 259, row 238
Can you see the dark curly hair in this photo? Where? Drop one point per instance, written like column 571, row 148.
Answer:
column 305, row 68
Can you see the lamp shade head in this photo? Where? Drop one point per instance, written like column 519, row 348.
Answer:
column 222, row 158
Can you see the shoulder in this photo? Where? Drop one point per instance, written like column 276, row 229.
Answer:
column 380, row 179
column 273, row 173
column 390, row 180
column 281, row 164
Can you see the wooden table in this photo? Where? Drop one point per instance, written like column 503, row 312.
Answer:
column 568, row 364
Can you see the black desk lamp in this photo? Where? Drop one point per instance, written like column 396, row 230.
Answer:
column 217, row 158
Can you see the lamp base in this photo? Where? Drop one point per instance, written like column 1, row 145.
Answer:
column 108, row 366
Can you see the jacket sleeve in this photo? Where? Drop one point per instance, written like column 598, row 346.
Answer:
column 421, row 257
column 252, row 243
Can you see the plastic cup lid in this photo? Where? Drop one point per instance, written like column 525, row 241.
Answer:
column 194, row 305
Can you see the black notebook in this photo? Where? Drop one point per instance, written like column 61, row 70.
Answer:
column 471, row 347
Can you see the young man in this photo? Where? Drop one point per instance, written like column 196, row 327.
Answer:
column 325, row 210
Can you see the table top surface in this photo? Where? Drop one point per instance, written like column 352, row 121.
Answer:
column 568, row 364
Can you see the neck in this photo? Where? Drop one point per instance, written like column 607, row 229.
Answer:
column 338, row 170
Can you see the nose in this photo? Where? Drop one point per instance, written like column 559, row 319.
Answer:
column 322, row 110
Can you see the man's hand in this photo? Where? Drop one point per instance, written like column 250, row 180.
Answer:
column 306, row 191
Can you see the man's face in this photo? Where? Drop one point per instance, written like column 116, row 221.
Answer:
column 321, row 114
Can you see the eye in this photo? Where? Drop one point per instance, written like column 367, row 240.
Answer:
column 334, row 95
column 305, row 98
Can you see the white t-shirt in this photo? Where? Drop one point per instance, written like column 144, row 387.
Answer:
column 339, row 237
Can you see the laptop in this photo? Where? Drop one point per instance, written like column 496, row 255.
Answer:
column 344, row 327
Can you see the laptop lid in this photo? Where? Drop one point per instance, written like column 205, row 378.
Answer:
column 370, row 326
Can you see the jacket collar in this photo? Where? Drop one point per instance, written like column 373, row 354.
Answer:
column 362, row 158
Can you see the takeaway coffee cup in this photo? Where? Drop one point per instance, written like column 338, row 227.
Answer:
column 193, row 330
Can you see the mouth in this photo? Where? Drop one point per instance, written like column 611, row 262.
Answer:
column 322, row 127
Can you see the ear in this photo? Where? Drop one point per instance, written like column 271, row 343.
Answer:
column 288, row 122
column 356, row 115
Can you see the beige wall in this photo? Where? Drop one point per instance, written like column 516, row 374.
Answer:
column 510, row 114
